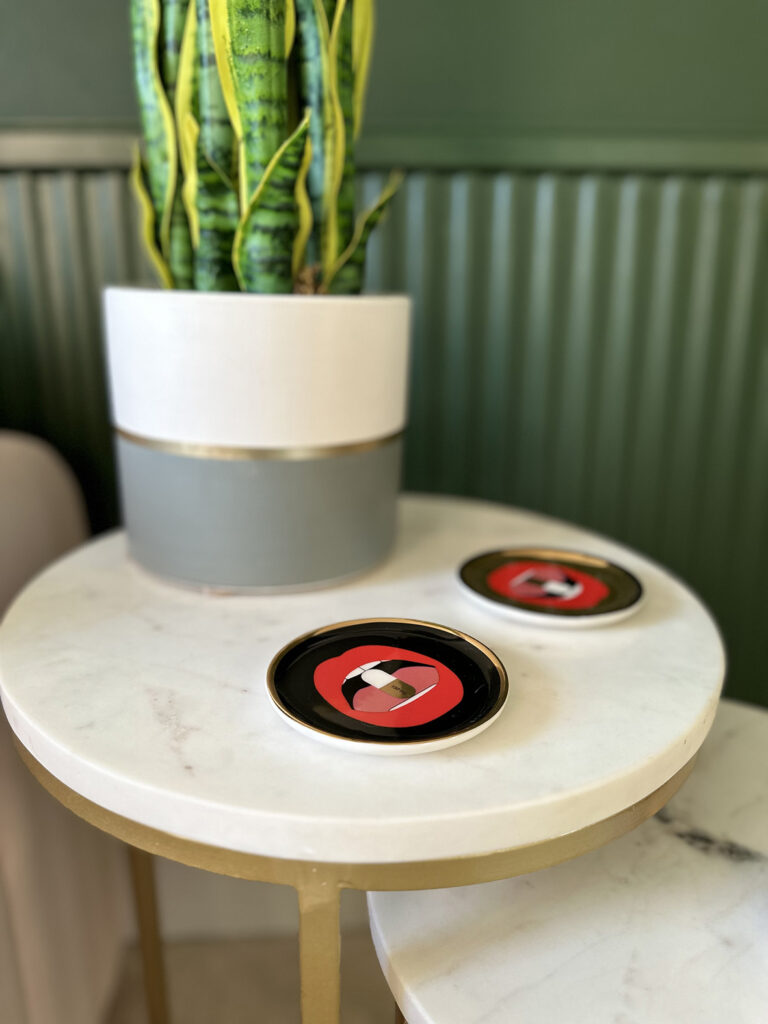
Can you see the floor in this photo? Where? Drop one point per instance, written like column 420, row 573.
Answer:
column 254, row 981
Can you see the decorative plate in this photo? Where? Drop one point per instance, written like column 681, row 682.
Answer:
column 552, row 587
column 388, row 686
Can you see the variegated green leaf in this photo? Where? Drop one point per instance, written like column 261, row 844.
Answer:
column 216, row 134
column 180, row 253
column 156, row 116
column 346, row 276
column 217, row 202
column 314, row 81
column 147, row 220
column 250, row 38
column 267, row 231
column 172, row 20
column 210, row 200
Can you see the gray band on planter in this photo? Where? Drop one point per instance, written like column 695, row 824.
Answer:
column 259, row 522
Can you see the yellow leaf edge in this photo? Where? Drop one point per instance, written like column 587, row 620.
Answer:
column 170, row 135
column 304, row 207
column 394, row 181
column 147, row 221
column 362, row 48
column 186, row 124
column 330, row 242
column 290, row 26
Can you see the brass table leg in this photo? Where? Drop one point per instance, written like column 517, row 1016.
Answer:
column 143, row 878
column 320, row 952
column 319, row 885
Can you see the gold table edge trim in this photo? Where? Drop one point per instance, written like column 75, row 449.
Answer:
column 427, row 874
column 191, row 449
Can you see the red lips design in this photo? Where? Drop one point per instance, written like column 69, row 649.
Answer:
column 547, row 584
column 388, row 686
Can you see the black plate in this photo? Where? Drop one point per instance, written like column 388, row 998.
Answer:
column 551, row 583
column 388, row 682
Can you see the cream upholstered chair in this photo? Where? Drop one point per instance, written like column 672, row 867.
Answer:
column 63, row 905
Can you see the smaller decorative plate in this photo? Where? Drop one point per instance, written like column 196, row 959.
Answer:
column 388, row 686
column 552, row 587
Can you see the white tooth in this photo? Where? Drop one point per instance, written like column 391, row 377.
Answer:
column 360, row 669
column 377, row 677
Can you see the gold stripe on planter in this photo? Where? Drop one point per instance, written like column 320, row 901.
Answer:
column 234, row 452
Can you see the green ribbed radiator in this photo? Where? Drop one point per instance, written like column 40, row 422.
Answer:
column 594, row 346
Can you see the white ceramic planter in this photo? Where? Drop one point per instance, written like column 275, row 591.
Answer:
column 258, row 437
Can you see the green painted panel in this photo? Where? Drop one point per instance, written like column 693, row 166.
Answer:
column 545, row 83
column 596, row 347
column 634, row 68
column 591, row 345
column 63, row 236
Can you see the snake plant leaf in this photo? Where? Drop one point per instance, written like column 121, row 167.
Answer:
column 218, row 212
column 320, row 50
column 249, row 38
column 362, row 47
column 262, row 251
column 206, row 140
column 217, row 201
column 314, row 80
column 156, row 117
column 345, row 84
column 147, row 220
column 180, row 245
column 172, row 21
column 172, row 18
column 216, row 135
column 346, row 276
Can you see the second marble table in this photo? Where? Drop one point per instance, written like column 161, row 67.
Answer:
column 665, row 926
column 144, row 708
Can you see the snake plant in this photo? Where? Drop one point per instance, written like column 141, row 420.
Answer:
column 249, row 113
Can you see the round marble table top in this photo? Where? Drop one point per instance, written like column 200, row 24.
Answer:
column 667, row 924
column 151, row 701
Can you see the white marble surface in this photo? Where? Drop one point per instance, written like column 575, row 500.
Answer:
column 667, row 925
column 151, row 701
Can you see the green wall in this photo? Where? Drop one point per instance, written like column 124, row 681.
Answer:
column 645, row 67
column 444, row 70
